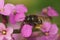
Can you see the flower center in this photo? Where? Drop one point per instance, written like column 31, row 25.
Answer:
column 4, row 32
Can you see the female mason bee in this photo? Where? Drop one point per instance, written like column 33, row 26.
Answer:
column 32, row 23
column 32, row 20
column 35, row 20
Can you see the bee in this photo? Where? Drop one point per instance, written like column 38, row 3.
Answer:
column 32, row 23
column 32, row 20
column 35, row 20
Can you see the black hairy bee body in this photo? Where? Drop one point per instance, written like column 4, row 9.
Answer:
column 32, row 20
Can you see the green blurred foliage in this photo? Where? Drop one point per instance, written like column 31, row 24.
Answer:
column 35, row 6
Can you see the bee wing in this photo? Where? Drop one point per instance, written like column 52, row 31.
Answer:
column 26, row 30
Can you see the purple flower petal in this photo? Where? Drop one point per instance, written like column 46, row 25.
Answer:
column 46, row 26
column 52, row 12
column 2, row 26
column 20, row 14
column 31, row 38
column 15, row 26
column 19, row 17
column 18, row 37
column 1, row 37
column 52, row 33
column 35, row 34
column 26, row 30
column 9, row 30
column 12, row 19
column 44, row 12
column 21, row 8
column 8, row 9
column 53, row 37
column 42, row 38
column 8, row 37
column 9, row 33
column 4, row 39
column 1, row 4
column 53, row 30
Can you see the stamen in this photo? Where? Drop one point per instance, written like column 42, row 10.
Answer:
column 4, row 32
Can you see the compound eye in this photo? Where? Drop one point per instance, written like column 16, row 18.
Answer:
column 28, row 18
column 32, row 18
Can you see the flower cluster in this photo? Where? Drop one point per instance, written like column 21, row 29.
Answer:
column 23, row 25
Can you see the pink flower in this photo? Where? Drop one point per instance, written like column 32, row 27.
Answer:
column 20, row 11
column 5, row 32
column 12, row 19
column 52, row 12
column 6, row 9
column 18, row 36
column 15, row 26
column 44, row 12
column 26, row 30
column 52, row 31
column 21, row 8
column 46, row 27
column 49, row 11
